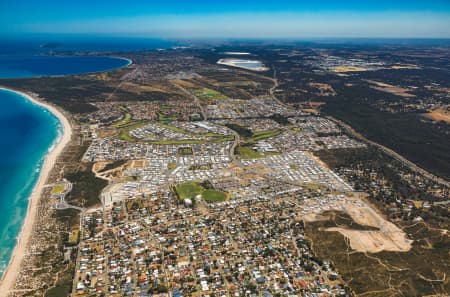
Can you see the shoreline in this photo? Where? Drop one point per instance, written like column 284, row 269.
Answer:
column 234, row 63
column 12, row 271
column 129, row 61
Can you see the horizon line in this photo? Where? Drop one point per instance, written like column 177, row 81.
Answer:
column 229, row 38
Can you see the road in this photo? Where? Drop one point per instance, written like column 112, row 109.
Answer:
column 77, row 261
column 196, row 100
column 275, row 84
column 414, row 167
column 236, row 141
column 63, row 203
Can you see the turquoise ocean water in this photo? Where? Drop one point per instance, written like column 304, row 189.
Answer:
column 27, row 132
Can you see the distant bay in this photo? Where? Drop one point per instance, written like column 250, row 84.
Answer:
column 28, row 132
column 35, row 66
column 70, row 45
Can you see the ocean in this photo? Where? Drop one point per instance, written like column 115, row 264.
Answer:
column 32, row 66
column 70, row 44
column 27, row 132
column 33, row 56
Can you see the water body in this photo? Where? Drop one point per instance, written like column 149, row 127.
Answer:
column 27, row 133
column 66, row 44
column 248, row 64
column 32, row 66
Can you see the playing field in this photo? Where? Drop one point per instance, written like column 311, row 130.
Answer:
column 208, row 94
column 192, row 189
column 214, row 196
column 188, row 190
column 246, row 152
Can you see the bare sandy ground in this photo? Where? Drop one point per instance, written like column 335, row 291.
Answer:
column 9, row 277
column 396, row 90
column 344, row 69
column 388, row 238
column 439, row 115
column 375, row 241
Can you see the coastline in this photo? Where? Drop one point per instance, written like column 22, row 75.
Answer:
column 234, row 63
column 13, row 269
column 124, row 58
column 128, row 60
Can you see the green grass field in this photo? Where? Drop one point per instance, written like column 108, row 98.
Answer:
column 260, row 135
column 165, row 118
column 173, row 128
column 124, row 135
column 188, row 190
column 185, row 151
column 246, row 152
column 192, row 189
column 123, row 122
column 208, row 94
column 214, row 196
column 126, row 128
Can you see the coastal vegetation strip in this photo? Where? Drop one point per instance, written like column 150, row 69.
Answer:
column 12, row 272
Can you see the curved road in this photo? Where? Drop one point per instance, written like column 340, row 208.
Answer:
column 414, row 167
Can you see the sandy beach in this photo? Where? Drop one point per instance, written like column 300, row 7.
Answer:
column 8, row 279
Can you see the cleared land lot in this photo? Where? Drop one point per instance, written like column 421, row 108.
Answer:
column 396, row 90
column 387, row 237
column 439, row 115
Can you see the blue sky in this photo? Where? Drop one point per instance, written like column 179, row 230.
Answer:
column 228, row 19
